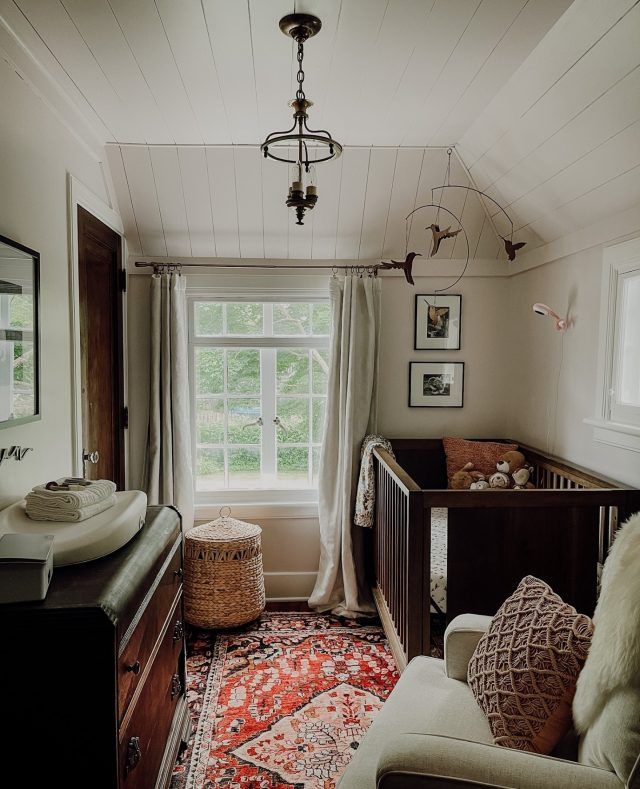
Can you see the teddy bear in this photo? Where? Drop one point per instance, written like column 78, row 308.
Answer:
column 512, row 465
column 465, row 478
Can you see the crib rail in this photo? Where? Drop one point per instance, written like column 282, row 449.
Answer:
column 551, row 473
column 562, row 512
column 402, row 551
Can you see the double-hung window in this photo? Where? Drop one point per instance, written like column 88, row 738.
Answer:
column 258, row 388
column 617, row 419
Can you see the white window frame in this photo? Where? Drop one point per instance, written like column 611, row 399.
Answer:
column 614, row 424
column 303, row 499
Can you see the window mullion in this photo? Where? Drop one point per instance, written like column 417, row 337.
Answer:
column 226, row 416
column 268, row 387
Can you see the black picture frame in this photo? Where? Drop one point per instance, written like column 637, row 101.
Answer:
column 37, row 410
column 435, row 345
column 442, row 404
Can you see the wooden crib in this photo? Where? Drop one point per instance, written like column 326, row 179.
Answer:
column 559, row 532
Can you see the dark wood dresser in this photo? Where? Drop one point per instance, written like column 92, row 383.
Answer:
column 94, row 675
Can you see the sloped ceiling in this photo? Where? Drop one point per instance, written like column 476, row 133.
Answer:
column 228, row 202
column 559, row 145
column 542, row 107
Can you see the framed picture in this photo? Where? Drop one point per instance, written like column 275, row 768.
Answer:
column 436, row 384
column 437, row 322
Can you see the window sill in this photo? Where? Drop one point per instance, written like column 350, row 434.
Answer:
column 254, row 510
column 615, row 434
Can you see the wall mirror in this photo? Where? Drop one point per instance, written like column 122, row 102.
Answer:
column 19, row 334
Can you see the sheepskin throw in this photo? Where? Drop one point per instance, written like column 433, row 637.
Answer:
column 614, row 656
column 523, row 672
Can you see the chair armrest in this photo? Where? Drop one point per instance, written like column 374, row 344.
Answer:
column 435, row 762
column 460, row 639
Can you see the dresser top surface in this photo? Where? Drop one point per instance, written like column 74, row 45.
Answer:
column 112, row 584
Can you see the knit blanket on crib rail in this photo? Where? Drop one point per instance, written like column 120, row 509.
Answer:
column 366, row 493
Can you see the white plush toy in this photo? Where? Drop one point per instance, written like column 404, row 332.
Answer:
column 480, row 484
column 499, row 480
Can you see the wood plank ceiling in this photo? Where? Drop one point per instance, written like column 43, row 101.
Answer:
column 544, row 104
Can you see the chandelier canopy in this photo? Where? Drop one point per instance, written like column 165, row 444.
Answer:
column 300, row 146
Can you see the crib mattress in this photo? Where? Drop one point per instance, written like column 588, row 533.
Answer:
column 439, row 559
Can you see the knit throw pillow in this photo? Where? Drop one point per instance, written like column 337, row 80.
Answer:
column 524, row 670
column 483, row 454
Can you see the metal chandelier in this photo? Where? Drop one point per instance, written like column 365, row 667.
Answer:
column 303, row 190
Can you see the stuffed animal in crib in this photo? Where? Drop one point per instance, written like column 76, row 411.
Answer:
column 500, row 480
column 514, row 467
column 465, row 478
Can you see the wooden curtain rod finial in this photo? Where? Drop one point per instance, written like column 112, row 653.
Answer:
column 405, row 265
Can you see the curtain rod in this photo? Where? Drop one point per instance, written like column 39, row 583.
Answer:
column 370, row 268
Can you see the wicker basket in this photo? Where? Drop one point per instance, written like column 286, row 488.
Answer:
column 223, row 577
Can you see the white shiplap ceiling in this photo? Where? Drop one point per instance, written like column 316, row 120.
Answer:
column 545, row 106
column 196, row 201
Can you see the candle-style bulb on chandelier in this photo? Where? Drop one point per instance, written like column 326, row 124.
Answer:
column 303, row 190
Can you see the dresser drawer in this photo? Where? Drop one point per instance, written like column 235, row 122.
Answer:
column 143, row 737
column 133, row 660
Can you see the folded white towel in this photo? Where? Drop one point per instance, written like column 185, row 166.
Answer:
column 39, row 511
column 97, row 491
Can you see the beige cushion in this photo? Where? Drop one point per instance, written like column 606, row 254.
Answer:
column 426, row 761
column 613, row 741
column 523, row 672
column 426, row 701
column 460, row 640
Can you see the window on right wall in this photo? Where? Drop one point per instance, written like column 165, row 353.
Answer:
column 617, row 420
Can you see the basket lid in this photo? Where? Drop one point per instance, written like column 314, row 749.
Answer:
column 224, row 529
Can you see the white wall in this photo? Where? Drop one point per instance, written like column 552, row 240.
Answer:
column 570, row 285
column 36, row 152
column 483, row 337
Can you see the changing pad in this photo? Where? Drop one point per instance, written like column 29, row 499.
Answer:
column 90, row 539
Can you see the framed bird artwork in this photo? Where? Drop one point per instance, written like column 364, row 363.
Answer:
column 437, row 322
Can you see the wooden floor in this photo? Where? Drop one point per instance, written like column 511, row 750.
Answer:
column 299, row 605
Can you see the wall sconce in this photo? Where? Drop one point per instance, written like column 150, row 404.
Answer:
column 543, row 309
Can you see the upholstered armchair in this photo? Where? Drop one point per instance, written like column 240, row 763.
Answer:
column 431, row 733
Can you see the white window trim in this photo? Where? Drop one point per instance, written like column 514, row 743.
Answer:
column 618, row 260
column 280, row 503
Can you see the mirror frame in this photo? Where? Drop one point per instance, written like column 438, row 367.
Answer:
column 37, row 415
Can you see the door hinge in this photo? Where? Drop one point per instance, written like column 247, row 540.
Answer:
column 125, row 417
column 123, row 280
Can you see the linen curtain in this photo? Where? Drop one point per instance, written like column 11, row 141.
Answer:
column 168, row 475
column 351, row 414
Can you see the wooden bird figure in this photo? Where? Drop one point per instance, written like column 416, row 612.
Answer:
column 436, row 314
column 512, row 248
column 405, row 265
column 438, row 235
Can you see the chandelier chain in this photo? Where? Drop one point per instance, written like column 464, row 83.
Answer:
column 300, row 75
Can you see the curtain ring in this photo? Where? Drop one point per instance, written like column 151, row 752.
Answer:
column 334, row 272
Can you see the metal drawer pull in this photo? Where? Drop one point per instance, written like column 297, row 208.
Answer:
column 179, row 572
column 178, row 631
column 133, row 754
column 176, row 686
column 134, row 668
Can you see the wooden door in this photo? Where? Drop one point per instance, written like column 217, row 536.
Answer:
column 100, row 280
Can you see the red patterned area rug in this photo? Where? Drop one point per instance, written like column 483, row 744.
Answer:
column 283, row 702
